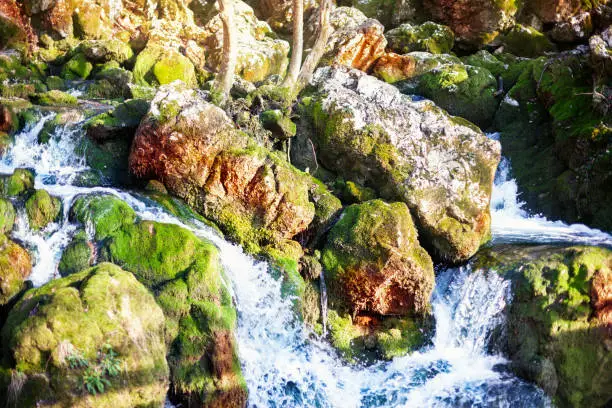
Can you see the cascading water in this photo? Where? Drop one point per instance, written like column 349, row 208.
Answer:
column 286, row 365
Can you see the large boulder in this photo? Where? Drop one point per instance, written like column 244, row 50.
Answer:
column 559, row 321
column 430, row 37
column 411, row 151
column 474, row 22
column 42, row 209
column 95, row 338
column 374, row 263
column 192, row 147
column 356, row 47
column 186, row 277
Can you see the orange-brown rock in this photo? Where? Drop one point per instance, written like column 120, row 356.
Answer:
column 357, row 47
column 552, row 11
column 601, row 295
column 15, row 267
column 194, row 149
column 374, row 262
column 6, row 119
column 14, row 25
column 474, row 22
column 392, row 67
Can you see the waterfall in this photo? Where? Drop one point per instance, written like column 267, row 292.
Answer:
column 284, row 363
column 511, row 222
column 323, row 289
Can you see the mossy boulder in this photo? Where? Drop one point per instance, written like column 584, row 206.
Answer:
column 111, row 83
column 559, row 321
column 185, row 274
column 7, row 216
column 506, row 67
column 104, row 213
column 429, row 36
column 55, row 83
column 15, row 267
column 42, row 209
column 121, row 122
column 54, row 98
column 78, row 255
column 462, row 90
column 558, row 140
column 374, row 262
column 526, row 41
column 92, row 20
column 78, row 67
column 15, row 30
column 60, row 334
column 19, row 183
column 374, row 143
column 157, row 65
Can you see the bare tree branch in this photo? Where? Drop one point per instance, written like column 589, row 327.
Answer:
column 298, row 43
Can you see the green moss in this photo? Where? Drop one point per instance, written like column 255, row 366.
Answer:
column 400, row 336
column 345, row 337
column 156, row 65
column 526, row 41
column 42, row 209
column 55, row 83
column 557, row 341
column 174, row 66
column 7, row 216
column 78, row 315
column 463, row 90
column 280, row 125
column 104, row 51
column 17, row 184
column 429, row 36
column 54, row 98
column 77, row 256
column 78, row 67
column 105, row 213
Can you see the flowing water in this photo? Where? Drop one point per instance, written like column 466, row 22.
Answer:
column 285, row 364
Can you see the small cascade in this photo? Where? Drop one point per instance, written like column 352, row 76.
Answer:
column 511, row 222
column 323, row 289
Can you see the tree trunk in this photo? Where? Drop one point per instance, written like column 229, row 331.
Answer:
column 298, row 43
column 312, row 60
column 225, row 77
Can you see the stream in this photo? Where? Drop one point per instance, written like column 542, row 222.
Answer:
column 287, row 365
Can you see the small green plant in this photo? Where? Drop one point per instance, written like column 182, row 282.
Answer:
column 76, row 360
column 110, row 363
column 94, row 381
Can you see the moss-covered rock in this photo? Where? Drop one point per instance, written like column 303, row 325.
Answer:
column 159, row 66
column 99, row 323
column 77, row 256
column 105, row 213
column 15, row 267
column 55, row 83
column 505, row 66
column 54, row 98
column 7, row 216
column 42, row 209
column 279, row 124
column 19, row 183
column 186, row 276
column 374, row 144
column 429, row 36
column 78, row 67
column 463, row 90
column 91, row 20
column 121, row 122
column 374, row 262
column 559, row 319
column 526, row 41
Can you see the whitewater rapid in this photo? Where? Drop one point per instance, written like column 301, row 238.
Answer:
column 287, row 365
